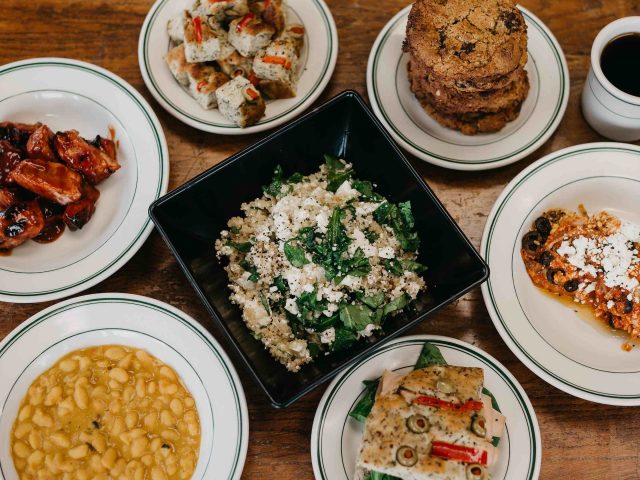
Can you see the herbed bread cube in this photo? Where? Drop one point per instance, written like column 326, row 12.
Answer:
column 205, row 41
column 236, row 65
column 276, row 67
column 204, row 80
column 175, row 26
column 295, row 33
column 240, row 102
column 178, row 65
column 221, row 10
column 249, row 34
column 272, row 12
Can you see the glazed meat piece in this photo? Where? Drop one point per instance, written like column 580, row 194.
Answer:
column 50, row 180
column 54, row 225
column 17, row 133
column 77, row 215
column 93, row 162
column 20, row 222
column 10, row 157
column 40, row 144
column 107, row 146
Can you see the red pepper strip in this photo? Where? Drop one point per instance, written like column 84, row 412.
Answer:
column 470, row 405
column 252, row 93
column 297, row 30
column 277, row 61
column 217, row 1
column 245, row 21
column 201, row 85
column 459, row 453
column 253, row 79
column 197, row 25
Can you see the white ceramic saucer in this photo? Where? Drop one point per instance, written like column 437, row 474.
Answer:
column 397, row 108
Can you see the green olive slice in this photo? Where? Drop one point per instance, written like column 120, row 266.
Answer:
column 445, row 386
column 479, row 426
column 407, row 456
column 476, row 472
column 418, row 423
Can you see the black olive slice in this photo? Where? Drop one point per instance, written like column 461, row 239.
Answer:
column 543, row 225
column 545, row 258
column 551, row 273
column 628, row 307
column 532, row 241
column 571, row 285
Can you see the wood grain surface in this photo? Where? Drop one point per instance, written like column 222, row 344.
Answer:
column 581, row 440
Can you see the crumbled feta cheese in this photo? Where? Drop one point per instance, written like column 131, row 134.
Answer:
column 291, row 306
column 328, row 336
column 386, row 252
column 368, row 330
column 345, row 192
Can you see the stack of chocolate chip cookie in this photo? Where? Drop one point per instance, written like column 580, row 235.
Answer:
column 467, row 61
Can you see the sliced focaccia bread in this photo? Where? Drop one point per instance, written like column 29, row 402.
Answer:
column 276, row 67
column 431, row 424
column 178, row 64
column 204, row 80
column 221, row 10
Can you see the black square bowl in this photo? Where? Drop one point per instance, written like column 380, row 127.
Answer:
column 191, row 217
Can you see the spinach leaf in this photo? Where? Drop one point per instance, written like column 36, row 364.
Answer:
column 380, row 476
column 337, row 173
column 235, row 230
column 265, row 303
column 356, row 317
column 429, row 355
column 371, row 235
column 280, row 283
column 274, row 189
column 295, row 255
column 325, row 322
column 249, row 267
column 396, row 304
column 314, row 349
column 413, row 266
column 400, row 219
column 373, row 301
column 243, row 247
column 365, row 187
column 308, row 305
column 393, row 266
column 344, row 340
column 494, row 403
column 356, row 266
column 363, row 408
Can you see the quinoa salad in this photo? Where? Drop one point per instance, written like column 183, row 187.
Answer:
column 319, row 262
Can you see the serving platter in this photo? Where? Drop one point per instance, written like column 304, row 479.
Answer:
column 559, row 342
column 401, row 113
column 317, row 59
column 68, row 94
column 140, row 322
column 336, row 437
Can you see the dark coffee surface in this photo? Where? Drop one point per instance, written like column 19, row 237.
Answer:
column 620, row 62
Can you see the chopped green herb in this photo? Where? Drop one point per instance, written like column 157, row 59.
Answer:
column 380, row 476
column 396, row 304
column 243, row 247
column 295, row 255
column 393, row 266
column 344, row 339
column 337, row 172
column 280, row 284
column 400, row 219
column 235, row 230
column 365, row 187
column 413, row 266
column 249, row 267
column 374, row 301
column 308, row 304
column 275, row 188
column 371, row 235
column 265, row 303
column 356, row 317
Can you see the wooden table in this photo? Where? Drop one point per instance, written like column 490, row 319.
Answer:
column 581, row 440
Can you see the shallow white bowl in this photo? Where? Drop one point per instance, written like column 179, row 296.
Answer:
column 67, row 94
column 140, row 322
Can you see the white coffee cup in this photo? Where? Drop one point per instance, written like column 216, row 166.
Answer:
column 610, row 111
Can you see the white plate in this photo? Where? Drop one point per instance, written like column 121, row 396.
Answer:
column 141, row 322
column 397, row 108
column 336, row 437
column 560, row 345
column 318, row 60
column 67, row 94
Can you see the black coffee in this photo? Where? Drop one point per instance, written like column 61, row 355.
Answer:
column 620, row 62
